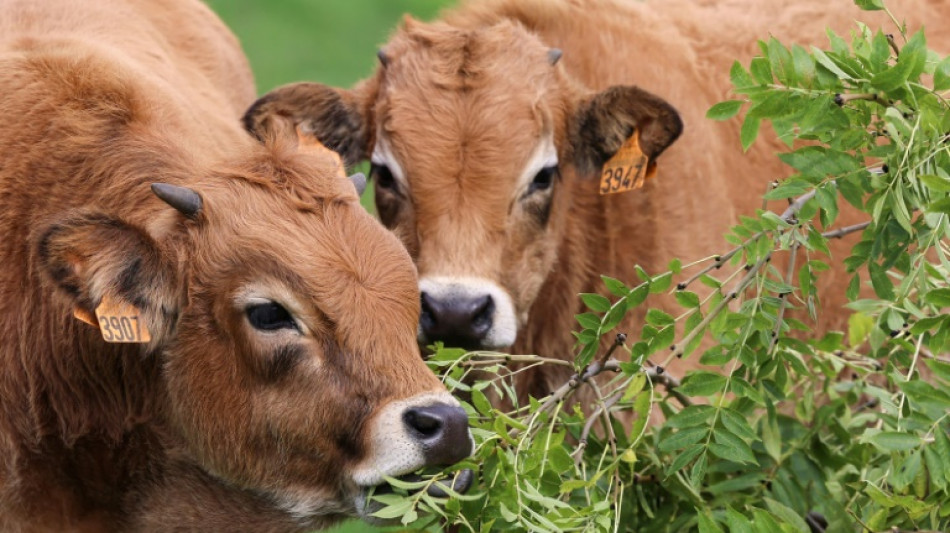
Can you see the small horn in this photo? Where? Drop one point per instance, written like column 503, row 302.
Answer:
column 185, row 200
column 359, row 181
column 383, row 58
column 554, row 55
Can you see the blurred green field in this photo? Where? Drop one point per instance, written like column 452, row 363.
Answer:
column 330, row 41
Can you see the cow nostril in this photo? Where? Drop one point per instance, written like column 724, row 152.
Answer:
column 426, row 423
column 442, row 431
column 482, row 317
column 428, row 314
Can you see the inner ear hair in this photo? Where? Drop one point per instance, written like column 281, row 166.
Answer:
column 604, row 121
column 332, row 116
column 90, row 255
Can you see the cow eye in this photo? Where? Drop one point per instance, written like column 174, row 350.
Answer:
column 543, row 179
column 382, row 175
column 270, row 316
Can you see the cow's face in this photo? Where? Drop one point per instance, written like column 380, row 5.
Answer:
column 479, row 144
column 286, row 318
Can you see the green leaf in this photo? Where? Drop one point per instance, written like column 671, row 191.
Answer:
column 870, row 5
column 942, row 75
column 787, row 515
column 935, row 182
column 682, row 438
column 661, row 283
column 909, row 64
column 859, row 327
column 706, row 524
column 737, row 424
column 688, row 454
column 687, row 299
column 731, row 447
column 750, row 130
column 615, row 286
column 760, row 70
column 940, row 206
column 724, row 110
column 702, row 383
column 658, row 318
column 737, row 522
column 740, row 77
column 881, row 282
column 588, row 320
column 395, row 510
column 826, row 62
column 894, row 441
column 693, row 415
column 938, row 297
column 596, row 302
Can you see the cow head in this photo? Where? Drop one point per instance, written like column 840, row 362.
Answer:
column 285, row 320
column 478, row 142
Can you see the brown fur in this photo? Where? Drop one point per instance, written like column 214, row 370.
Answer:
column 210, row 424
column 465, row 99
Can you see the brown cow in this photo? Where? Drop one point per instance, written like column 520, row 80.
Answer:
column 282, row 378
column 486, row 150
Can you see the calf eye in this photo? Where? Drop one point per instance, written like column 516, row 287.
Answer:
column 269, row 316
column 543, row 179
column 382, row 175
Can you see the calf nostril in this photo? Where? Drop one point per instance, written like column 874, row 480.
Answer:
column 426, row 423
column 482, row 317
column 442, row 432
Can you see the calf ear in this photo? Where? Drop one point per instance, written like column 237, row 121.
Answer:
column 603, row 122
column 332, row 116
column 94, row 258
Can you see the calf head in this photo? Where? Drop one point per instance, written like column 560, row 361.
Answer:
column 478, row 142
column 285, row 318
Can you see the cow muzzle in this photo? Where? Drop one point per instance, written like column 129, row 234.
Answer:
column 470, row 313
column 423, row 431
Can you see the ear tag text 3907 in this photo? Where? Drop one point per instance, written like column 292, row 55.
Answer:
column 628, row 169
column 121, row 322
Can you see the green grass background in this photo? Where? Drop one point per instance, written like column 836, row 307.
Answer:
column 330, row 41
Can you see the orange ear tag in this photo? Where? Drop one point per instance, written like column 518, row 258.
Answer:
column 628, row 169
column 117, row 321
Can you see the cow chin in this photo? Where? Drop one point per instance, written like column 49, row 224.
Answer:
column 466, row 312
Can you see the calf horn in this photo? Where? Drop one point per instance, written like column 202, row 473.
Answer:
column 185, row 200
column 359, row 181
column 554, row 55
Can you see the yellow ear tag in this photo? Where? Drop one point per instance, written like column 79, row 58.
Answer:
column 119, row 322
column 628, row 169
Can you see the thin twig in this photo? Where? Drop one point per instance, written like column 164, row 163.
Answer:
column 841, row 232
column 784, row 296
column 602, row 408
column 572, row 384
column 680, row 349
column 893, row 43
column 718, row 261
column 661, row 377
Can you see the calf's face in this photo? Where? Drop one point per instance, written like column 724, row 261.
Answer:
column 285, row 318
column 477, row 140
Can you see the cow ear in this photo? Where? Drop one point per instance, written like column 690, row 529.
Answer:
column 334, row 117
column 94, row 259
column 602, row 122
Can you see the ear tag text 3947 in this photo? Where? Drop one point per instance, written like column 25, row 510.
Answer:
column 628, row 169
column 119, row 322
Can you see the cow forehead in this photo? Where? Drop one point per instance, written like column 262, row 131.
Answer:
column 466, row 105
column 319, row 249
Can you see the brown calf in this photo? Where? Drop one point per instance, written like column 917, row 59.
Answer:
column 276, row 377
column 487, row 148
